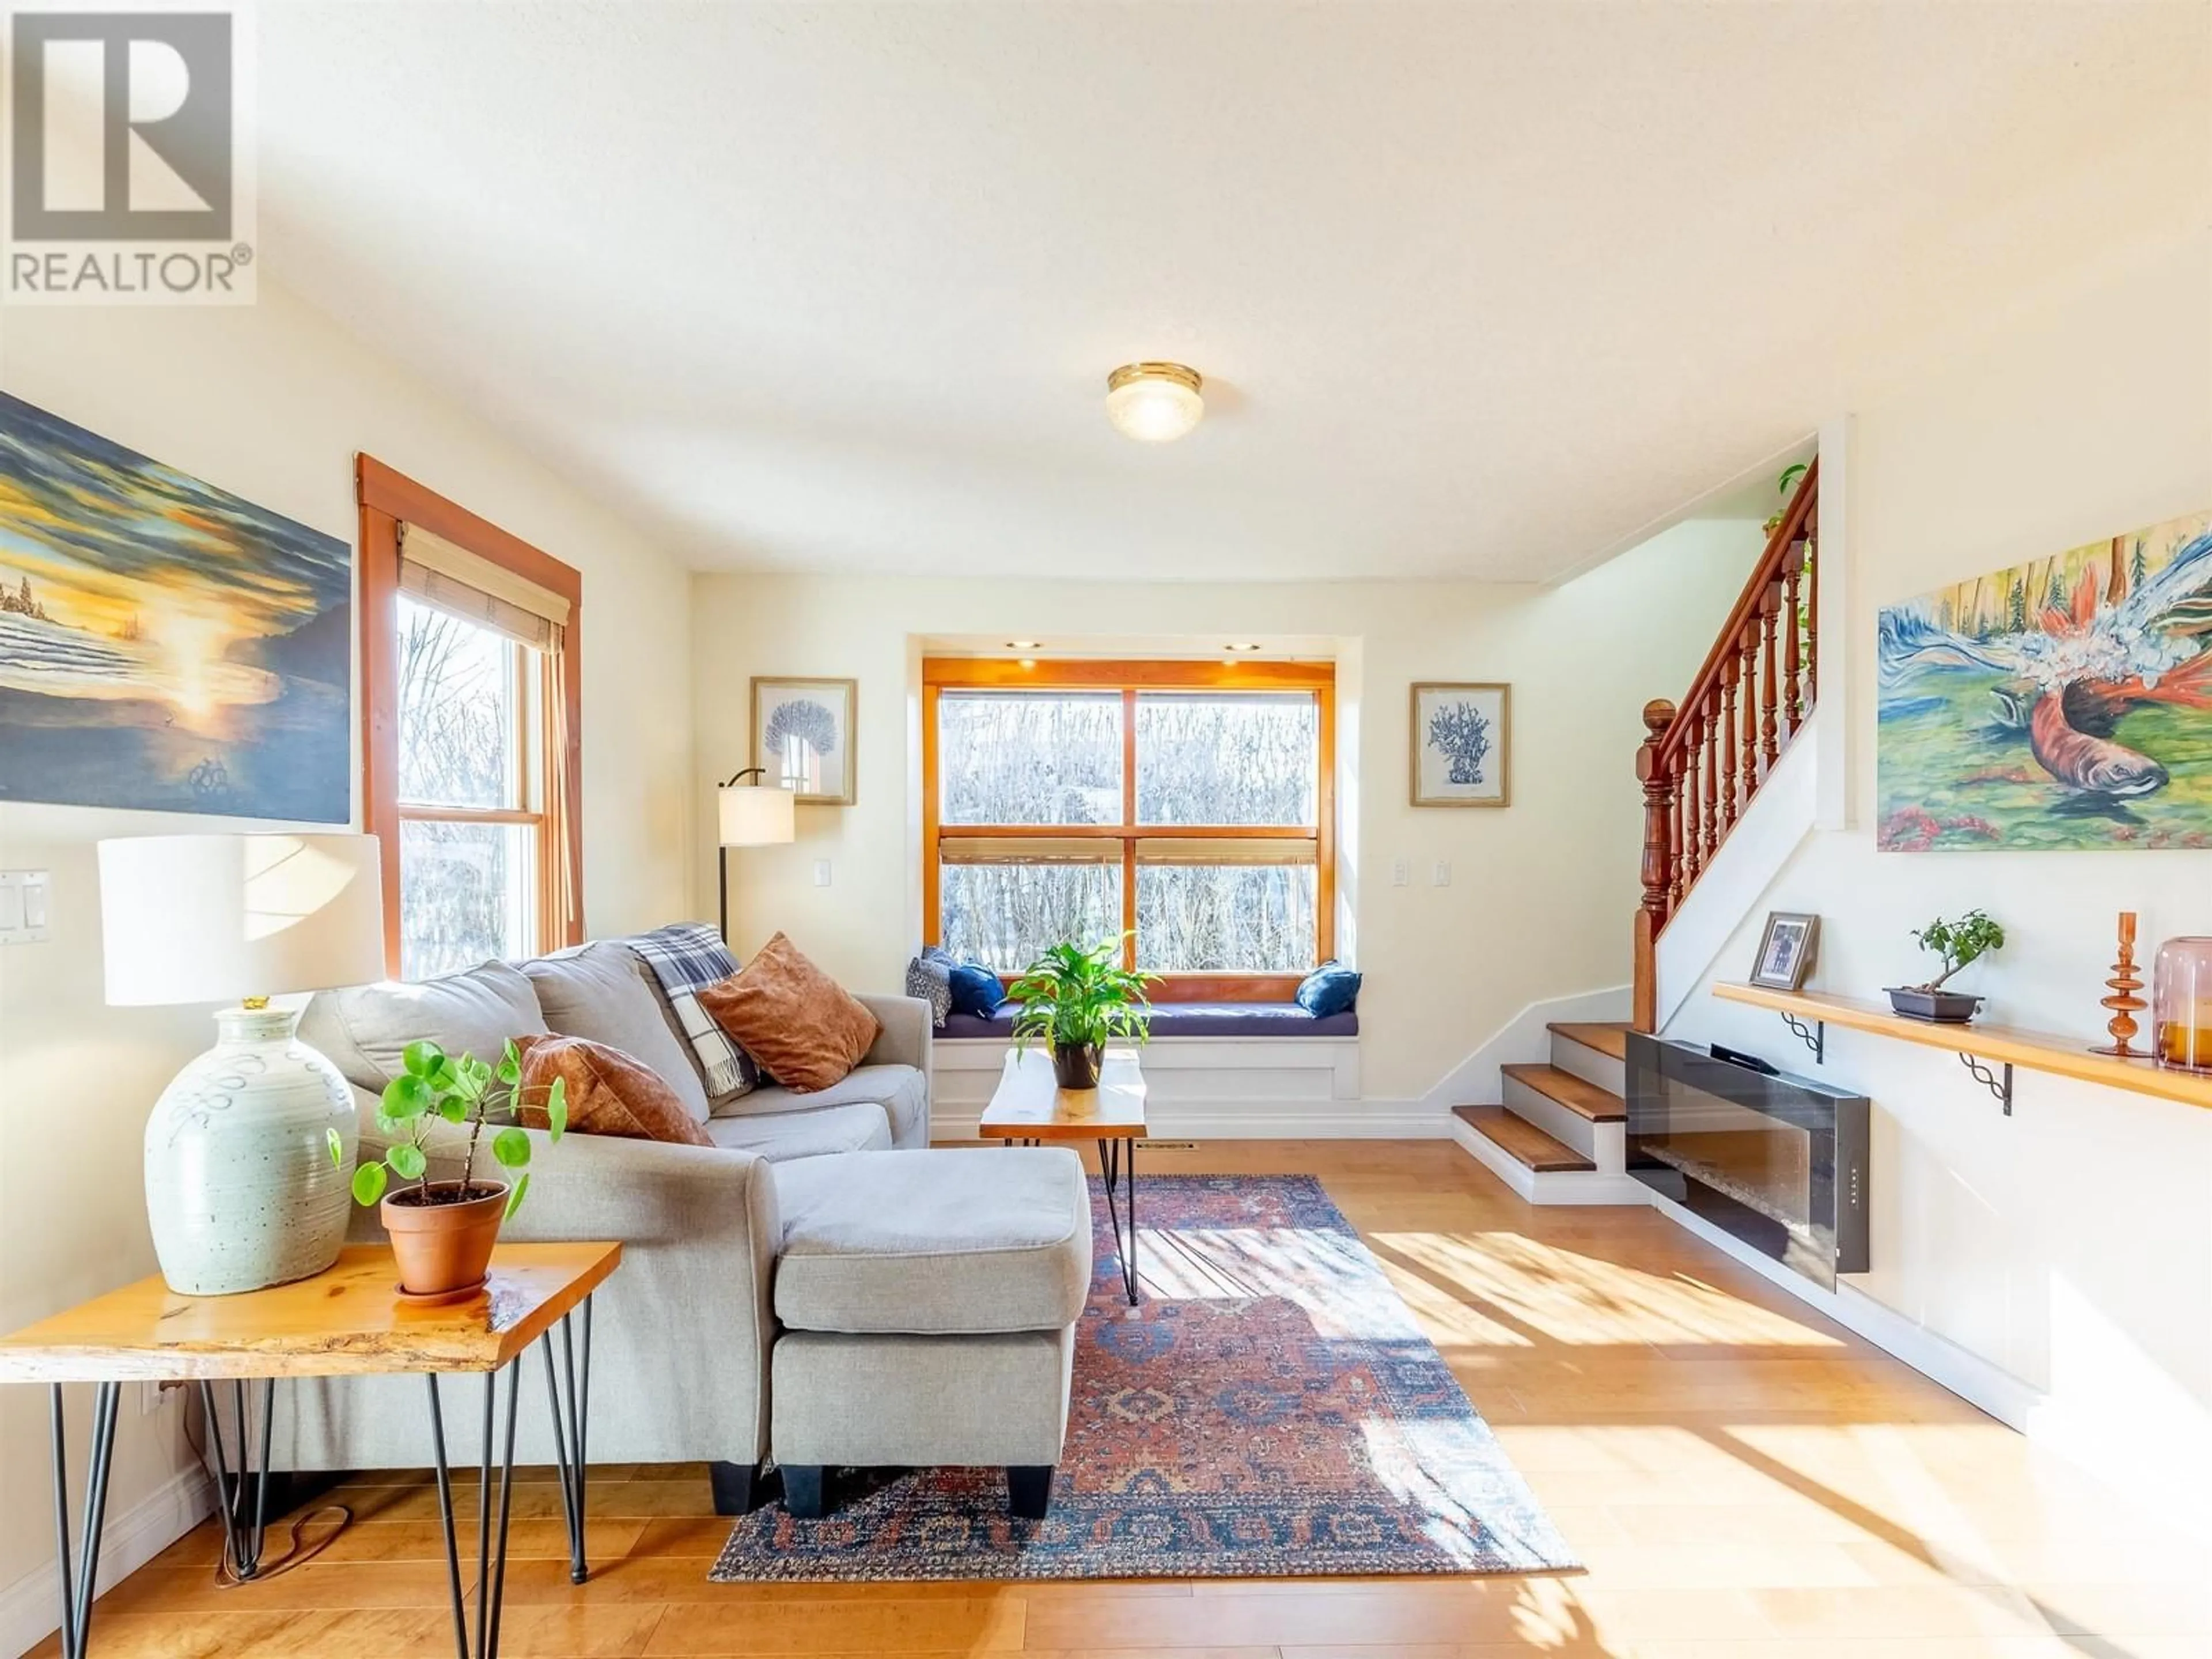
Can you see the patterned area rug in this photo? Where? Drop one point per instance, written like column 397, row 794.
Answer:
column 1270, row 1410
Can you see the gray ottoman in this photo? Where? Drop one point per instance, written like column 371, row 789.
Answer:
column 928, row 1302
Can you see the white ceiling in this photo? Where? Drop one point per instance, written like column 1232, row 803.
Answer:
column 1477, row 288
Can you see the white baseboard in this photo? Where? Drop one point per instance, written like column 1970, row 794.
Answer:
column 1332, row 1120
column 1973, row 1378
column 30, row 1609
column 1591, row 1187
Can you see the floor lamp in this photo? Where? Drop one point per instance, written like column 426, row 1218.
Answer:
column 751, row 814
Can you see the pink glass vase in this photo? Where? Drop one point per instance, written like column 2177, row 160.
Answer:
column 2181, row 1004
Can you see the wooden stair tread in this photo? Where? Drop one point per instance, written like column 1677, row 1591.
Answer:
column 1522, row 1140
column 1605, row 1037
column 1584, row 1099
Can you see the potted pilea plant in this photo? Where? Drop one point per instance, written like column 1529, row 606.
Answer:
column 1076, row 1000
column 443, row 1231
column 1969, row 939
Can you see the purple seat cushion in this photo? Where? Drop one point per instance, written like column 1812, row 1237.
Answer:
column 1192, row 1019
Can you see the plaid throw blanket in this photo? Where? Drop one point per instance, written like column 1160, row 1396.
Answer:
column 687, row 957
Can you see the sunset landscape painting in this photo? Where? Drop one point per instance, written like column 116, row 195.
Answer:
column 2063, row 704
column 164, row 646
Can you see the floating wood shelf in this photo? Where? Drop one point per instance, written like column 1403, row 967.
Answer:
column 2034, row 1051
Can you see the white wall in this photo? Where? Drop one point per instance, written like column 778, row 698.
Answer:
column 2071, row 1245
column 1541, row 893
column 271, row 402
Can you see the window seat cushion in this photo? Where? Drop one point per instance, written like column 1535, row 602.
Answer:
column 1191, row 1019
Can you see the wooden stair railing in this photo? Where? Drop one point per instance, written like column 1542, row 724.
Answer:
column 1702, row 761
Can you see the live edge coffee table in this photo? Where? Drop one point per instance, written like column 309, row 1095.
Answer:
column 1030, row 1105
column 350, row 1320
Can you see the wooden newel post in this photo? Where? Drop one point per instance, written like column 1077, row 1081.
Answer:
column 1659, row 851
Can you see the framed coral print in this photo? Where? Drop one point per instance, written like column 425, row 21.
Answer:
column 803, row 735
column 1459, row 743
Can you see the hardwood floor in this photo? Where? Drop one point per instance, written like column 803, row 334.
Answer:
column 1742, row 1477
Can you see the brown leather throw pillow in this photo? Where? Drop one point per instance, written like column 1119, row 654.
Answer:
column 609, row 1092
column 805, row 1029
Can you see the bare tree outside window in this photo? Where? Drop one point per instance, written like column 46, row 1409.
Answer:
column 466, row 884
column 1213, row 761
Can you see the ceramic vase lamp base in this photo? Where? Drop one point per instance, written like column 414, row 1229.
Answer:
column 241, row 1190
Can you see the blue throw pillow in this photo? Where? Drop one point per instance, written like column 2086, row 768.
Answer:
column 975, row 990
column 1331, row 989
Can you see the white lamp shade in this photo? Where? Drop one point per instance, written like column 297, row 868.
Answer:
column 217, row 918
column 758, row 815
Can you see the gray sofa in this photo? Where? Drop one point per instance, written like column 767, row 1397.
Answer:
column 682, row 1332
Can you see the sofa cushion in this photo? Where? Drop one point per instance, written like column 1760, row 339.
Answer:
column 779, row 1137
column 1194, row 1019
column 605, row 992
column 363, row 1029
column 901, row 1090
column 608, row 1093
column 937, row 1241
column 806, row 1029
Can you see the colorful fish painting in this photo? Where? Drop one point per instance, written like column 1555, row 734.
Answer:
column 2063, row 704
column 164, row 645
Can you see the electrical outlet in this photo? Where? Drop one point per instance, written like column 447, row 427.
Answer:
column 152, row 1397
column 821, row 872
column 1440, row 876
column 1402, row 873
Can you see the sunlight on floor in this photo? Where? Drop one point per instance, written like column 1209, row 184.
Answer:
column 1533, row 1291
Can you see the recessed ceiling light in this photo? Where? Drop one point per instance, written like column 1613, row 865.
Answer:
column 1021, row 645
column 1154, row 402
column 1240, row 645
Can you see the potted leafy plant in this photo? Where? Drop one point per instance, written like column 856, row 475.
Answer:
column 1077, row 1000
column 1969, row 939
column 443, row 1231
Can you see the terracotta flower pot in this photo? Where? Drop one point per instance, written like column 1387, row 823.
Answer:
column 446, row 1245
column 1075, row 1064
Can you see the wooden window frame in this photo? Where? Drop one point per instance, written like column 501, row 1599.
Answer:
column 940, row 674
column 388, row 498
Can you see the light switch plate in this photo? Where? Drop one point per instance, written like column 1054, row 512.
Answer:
column 821, row 872
column 23, row 909
column 1402, row 873
column 1440, row 876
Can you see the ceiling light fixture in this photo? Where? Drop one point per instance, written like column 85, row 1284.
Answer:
column 1021, row 645
column 1154, row 402
column 1240, row 645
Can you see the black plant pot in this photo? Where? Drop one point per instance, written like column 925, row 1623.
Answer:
column 1075, row 1064
column 1939, row 1007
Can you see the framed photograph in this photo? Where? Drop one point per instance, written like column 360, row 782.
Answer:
column 1786, row 950
column 803, row 734
column 1460, row 743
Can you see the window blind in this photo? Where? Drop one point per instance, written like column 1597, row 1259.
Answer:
column 469, row 585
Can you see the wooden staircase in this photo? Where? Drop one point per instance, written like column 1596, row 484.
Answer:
column 1559, row 1135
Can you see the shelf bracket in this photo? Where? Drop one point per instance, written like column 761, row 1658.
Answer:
column 1999, row 1086
column 1814, row 1036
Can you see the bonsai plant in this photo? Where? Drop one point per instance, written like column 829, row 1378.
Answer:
column 1969, row 939
column 1076, row 1000
column 442, row 1231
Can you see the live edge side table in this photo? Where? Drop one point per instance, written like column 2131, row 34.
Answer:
column 350, row 1320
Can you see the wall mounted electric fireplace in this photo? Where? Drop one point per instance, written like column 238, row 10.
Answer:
column 1779, row 1162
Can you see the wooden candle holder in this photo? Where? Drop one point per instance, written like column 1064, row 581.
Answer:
column 2123, row 1002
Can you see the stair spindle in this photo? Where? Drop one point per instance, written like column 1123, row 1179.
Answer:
column 1727, row 745
column 1812, row 619
column 1712, row 733
column 1770, row 723
column 1693, row 827
column 1748, row 654
column 1677, row 875
column 1793, row 706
